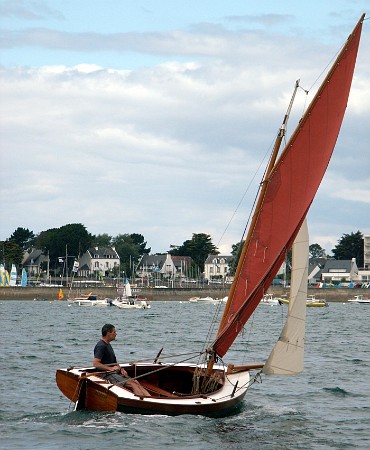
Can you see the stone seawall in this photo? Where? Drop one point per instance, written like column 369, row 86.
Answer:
column 47, row 293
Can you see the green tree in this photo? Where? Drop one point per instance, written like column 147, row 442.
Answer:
column 316, row 251
column 102, row 240
column 71, row 240
column 236, row 250
column 23, row 237
column 130, row 248
column 10, row 253
column 350, row 246
column 139, row 240
column 198, row 247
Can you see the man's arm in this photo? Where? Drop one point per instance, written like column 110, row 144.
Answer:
column 98, row 365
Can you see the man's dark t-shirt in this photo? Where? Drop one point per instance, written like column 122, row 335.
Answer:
column 105, row 353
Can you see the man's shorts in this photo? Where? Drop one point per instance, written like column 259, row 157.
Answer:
column 115, row 378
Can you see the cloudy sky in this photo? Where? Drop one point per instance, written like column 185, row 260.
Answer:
column 156, row 116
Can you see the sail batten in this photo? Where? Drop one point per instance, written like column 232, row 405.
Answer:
column 289, row 191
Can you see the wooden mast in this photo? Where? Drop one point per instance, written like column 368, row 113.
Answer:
column 269, row 170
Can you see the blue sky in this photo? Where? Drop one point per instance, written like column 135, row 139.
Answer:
column 155, row 117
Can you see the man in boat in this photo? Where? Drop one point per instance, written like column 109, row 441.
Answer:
column 105, row 359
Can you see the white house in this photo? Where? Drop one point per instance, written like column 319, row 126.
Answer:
column 216, row 267
column 98, row 261
column 340, row 270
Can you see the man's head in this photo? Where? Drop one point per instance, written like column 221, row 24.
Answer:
column 107, row 328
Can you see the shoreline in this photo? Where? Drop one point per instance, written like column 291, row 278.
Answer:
column 161, row 294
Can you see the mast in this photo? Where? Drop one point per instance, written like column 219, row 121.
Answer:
column 279, row 138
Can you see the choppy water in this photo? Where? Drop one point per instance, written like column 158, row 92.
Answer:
column 326, row 407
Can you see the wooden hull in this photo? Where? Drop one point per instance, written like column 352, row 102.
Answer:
column 170, row 387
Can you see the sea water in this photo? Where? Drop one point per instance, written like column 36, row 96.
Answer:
column 325, row 407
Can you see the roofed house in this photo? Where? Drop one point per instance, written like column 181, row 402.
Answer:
column 32, row 261
column 315, row 266
column 98, row 260
column 217, row 266
column 166, row 265
column 340, row 270
column 182, row 264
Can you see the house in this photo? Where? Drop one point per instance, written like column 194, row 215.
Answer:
column 216, row 267
column 98, row 261
column 35, row 262
column 182, row 264
column 315, row 266
column 340, row 270
column 163, row 265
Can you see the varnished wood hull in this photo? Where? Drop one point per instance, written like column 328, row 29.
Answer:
column 170, row 387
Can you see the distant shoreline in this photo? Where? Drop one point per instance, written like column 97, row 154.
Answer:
column 162, row 294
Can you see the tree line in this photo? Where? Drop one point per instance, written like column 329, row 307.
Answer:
column 75, row 240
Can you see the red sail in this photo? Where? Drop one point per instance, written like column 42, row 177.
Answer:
column 290, row 189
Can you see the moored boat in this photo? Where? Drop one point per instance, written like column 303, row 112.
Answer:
column 269, row 299
column 311, row 302
column 360, row 299
column 205, row 300
column 130, row 303
column 90, row 300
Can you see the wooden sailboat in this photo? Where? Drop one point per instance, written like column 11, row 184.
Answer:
column 287, row 191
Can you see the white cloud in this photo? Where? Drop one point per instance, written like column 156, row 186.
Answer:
column 166, row 150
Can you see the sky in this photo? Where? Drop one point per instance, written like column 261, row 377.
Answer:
column 156, row 117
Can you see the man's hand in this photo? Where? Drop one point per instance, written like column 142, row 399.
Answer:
column 124, row 373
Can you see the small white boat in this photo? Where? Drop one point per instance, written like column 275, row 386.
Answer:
column 130, row 303
column 269, row 299
column 360, row 299
column 212, row 300
column 90, row 300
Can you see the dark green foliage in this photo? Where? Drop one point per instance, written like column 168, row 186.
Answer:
column 316, row 251
column 198, row 247
column 102, row 240
column 236, row 250
column 350, row 246
column 72, row 240
column 10, row 253
column 23, row 237
column 130, row 248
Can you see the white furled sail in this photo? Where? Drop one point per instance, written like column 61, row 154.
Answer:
column 13, row 276
column 128, row 291
column 287, row 357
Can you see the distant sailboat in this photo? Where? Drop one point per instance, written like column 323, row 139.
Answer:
column 2, row 275
column 209, row 386
column 24, row 278
column 13, row 276
column 60, row 294
column 126, row 300
column 7, row 279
